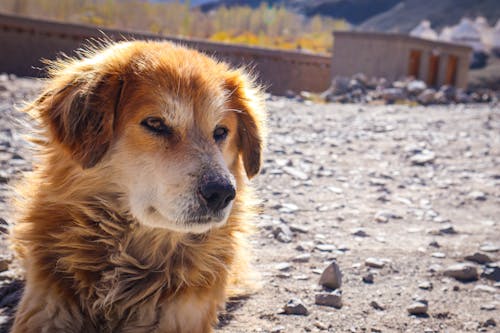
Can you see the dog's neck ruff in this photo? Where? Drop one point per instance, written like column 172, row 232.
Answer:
column 117, row 266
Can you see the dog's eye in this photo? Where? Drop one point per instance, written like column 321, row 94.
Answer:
column 220, row 133
column 156, row 125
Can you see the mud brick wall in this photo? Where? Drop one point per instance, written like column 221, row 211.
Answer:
column 24, row 42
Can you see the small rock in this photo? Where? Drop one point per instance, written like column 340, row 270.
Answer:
column 492, row 271
column 297, row 174
column 418, row 308
column 283, row 266
column 435, row 268
column 278, row 329
column 485, row 288
column 377, row 306
column 439, row 255
column 422, row 158
column 333, row 299
column 425, row 285
column 305, row 257
column 463, row 272
column 374, row 262
column 295, row 307
column 392, row 95
column 331, row 277
column 336, row 190
column 288, row 208
column 489, row 323
column 416, row 87
column 4, row 263
column 447, row 229
column 282, row 233
column 489, row 248
column 480, row 258
column 477, row 195
column 359, row 233
column 434, row 244
column 319, row 325
column 326, row 247
column 488, row 307
column 427, row 97
column 299, row 228
column 3, row 226
column 368, row 278
column 385, row 216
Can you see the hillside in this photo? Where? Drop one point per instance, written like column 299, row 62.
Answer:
column 407, row 14
column 383, row 15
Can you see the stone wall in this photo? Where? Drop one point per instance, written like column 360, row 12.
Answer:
column 24, row 42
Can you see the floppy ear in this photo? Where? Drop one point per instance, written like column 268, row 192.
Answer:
column 81, row 114
column 247, row 100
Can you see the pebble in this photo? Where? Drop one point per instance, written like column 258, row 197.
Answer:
column 4, row 263
column 331, row 277
column 289, row 208
column 333, row 299
column 425, row 285
column 492, row 271
column 422, row 158
column 434, row 244
column 463, row 272
column 299, row 228
column 283, row 266
column 368, row 278
column 297, row 174
column 480, row 258
column 377, row 306
column 418, row 308
column 283, row 234
column 485, row 288
column 359, row 232
column 295, row 307
column 305, row 257
column 374, row 262
column 489, row 248
column 448, row 229
column 321, row 326
column 489, row 323
column 3, row 226
column 439, row 255
column 488, row 306
column 326, row 247
column 385, row 216
column 477, row 195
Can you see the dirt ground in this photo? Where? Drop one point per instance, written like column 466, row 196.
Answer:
column 416, row 188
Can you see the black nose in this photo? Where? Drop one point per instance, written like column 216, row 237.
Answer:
column 217, row 194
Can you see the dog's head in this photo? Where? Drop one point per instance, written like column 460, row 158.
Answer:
column 177, row 129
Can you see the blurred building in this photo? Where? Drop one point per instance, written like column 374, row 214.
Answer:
column 395, row 56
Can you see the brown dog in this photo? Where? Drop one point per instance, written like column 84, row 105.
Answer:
column 134, row 220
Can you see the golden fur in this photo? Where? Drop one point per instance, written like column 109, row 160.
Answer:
column 93, row 262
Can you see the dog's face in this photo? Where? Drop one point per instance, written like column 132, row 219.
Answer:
column 175, row 128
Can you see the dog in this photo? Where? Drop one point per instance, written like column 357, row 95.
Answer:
column 135, row 216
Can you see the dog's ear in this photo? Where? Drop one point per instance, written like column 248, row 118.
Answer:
column 80, row 114
column 247, row 100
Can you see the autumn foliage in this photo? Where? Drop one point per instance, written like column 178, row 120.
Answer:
column 265, row 26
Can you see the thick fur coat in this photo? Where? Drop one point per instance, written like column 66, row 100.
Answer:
column 112, row 231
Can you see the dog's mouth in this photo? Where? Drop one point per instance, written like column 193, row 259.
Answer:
column 197, row 220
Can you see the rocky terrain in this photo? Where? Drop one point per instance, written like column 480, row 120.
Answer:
column 394, row 209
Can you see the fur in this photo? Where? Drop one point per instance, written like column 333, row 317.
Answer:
column 95, row 260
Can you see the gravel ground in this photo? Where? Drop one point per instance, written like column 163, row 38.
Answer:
column 395, row 195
